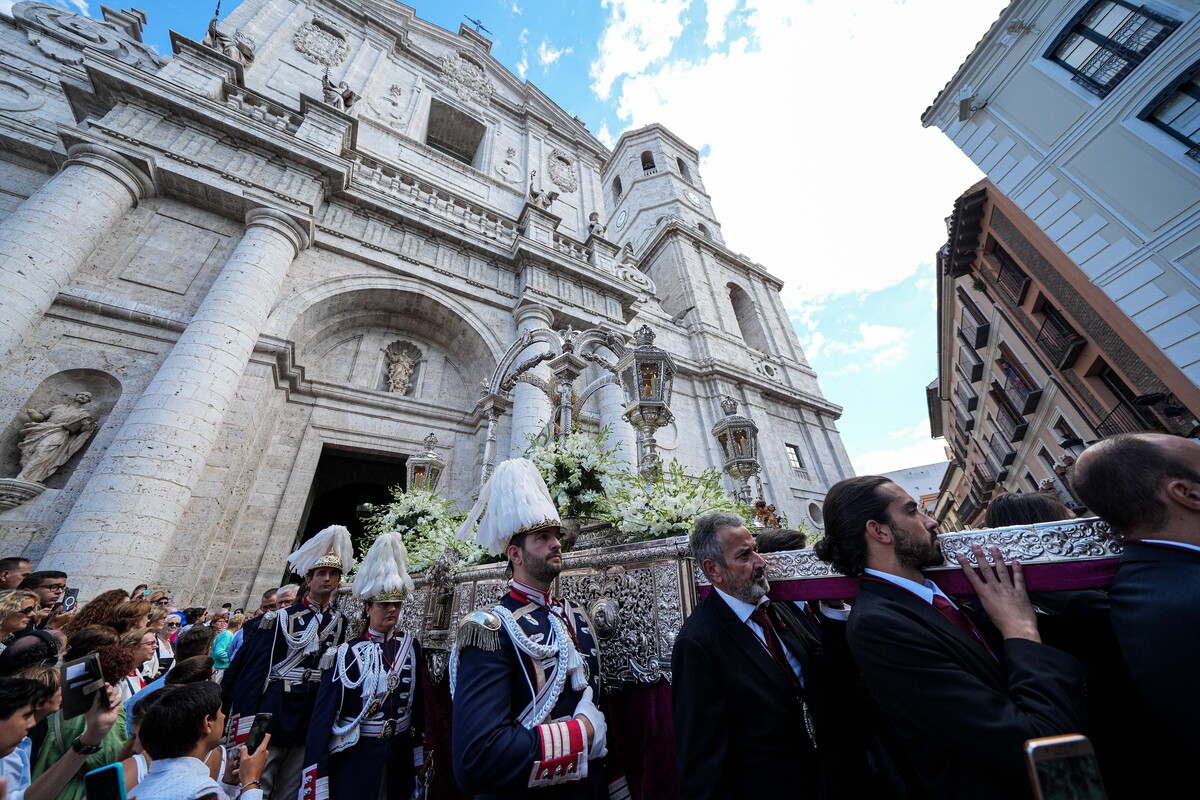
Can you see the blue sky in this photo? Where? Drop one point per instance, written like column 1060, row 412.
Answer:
column 807, row 118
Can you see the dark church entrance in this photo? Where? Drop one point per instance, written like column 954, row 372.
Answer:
column 344, row 481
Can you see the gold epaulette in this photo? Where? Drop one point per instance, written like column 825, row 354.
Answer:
column 479, row 629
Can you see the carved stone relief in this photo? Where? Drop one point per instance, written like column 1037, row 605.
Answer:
column 467, row 78
column 321, row 42
column 562, row 170
column 403, row 359
column 62, row 35
column 510, row 171
column 388, row 109
column 16, row 95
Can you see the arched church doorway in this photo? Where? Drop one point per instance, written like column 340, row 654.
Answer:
column 344, row 481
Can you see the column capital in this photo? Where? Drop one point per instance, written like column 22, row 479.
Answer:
column 534, row 313
column 281, row 223
column 138, row 181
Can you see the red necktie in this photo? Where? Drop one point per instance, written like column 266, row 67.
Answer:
column 760, row 616
column 960, row 620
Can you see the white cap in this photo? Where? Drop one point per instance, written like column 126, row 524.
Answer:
column 383, row 575
column 330, row 547
column 516, row 500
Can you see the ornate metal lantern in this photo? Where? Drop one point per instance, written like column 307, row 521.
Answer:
column 425, row 470
column 647, row 373
column 738, row 437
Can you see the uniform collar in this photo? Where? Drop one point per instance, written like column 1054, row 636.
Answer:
column 544, row 599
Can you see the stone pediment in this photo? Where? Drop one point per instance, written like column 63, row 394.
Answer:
column 62, row 35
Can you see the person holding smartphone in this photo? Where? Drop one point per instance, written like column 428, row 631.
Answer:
column 182, row 725
column 369, row 711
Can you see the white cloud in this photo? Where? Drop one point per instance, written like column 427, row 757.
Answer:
column 78, row 6
column 716, row 16
column 606, row 136
column 548, row 54
column 879, row 346
column 516, row 9
column 915, row 454
column 638, row 34
column 817, row 162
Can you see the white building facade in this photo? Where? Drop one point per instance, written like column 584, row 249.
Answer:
column 231, row 258
column 1086, row 114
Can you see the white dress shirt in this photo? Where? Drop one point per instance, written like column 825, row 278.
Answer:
column 186, row 779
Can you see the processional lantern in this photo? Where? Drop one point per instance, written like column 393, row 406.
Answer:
column 737, row 436
column 647, row 373
column 425, row 470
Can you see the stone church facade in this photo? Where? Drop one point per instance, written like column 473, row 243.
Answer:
column 278, row 260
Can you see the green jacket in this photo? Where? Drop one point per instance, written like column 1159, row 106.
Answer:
column 61, row 734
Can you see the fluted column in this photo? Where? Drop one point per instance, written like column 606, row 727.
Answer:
column 46, row 240
column 611, row 399
column 126, row 515
column 531, row 407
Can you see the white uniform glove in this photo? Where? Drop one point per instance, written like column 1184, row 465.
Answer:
column 587, row 708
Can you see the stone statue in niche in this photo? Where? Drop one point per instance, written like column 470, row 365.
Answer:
column 233, row 46
column 402, row 359
column 540, row 197
column 52, row 436
column 337, row 95
column 595, row 227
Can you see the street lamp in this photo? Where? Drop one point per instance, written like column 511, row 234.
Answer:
column 425, row 470
column 738, row 437
column 647, row 373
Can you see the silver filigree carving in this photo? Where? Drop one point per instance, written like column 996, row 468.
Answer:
column 321, row 42
column 562, row 170
column 467, row 78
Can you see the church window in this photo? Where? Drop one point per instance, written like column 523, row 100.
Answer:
column 1106, row 41
column 747, row 318
column 684, row 172
column 795, row 457
column 616, row 189
column 1177, row 110
column 453, row 133
column 648, row 166
column 704, row 230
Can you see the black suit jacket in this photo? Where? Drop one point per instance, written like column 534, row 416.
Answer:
column 1156, row 615
column 739, row 724
column 963, row 715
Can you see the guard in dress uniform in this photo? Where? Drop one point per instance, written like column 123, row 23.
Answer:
column 367, row 729
column 284, row 662
column 525, row 674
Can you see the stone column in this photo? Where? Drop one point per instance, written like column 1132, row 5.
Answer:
column 46, row 240
column 531, row 407
column 128, row 512
column 611, row 399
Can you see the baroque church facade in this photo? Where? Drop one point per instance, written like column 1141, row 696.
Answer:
column 242, row 284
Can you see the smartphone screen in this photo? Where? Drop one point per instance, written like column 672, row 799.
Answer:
column 1064, row 768
column 70, row 599
column 105, row 783
column 257, row 731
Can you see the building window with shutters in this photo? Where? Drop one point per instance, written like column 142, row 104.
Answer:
column 1106, row 41
column 1177, row 110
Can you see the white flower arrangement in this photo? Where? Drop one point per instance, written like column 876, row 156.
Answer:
column 667, row 505
column 581, row 471
column 427, row 523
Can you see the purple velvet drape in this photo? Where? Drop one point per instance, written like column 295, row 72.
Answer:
column 642, row 738
column 437, row 739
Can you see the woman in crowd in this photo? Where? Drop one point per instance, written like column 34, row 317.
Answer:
column 17, row 607
column 96, row 611
column 223, row 641
column 157, row 624
column 141, row 643
column 115, row 663
column 89, row 640
column 130, row 615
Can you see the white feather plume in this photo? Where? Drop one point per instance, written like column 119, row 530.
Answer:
column 334, row 539
column 514, row 498
column 384, row 568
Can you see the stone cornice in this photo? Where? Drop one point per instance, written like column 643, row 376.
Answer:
column 676, row 226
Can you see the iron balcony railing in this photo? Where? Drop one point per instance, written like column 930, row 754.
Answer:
column 1123, row 49
column 975, row 329
column 1125, row 418
column 1010, row 277
column 964, row 421
column 1020, row 394
column 970, row 362
column 1011, row 426
column 966, row 395
column 1001, row 450
column 1059, row 340
column 969, row 507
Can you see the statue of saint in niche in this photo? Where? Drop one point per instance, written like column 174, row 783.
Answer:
column 402, row 367
column 52, row 436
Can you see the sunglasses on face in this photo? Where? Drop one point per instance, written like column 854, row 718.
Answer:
column 164, row 602
column 27, row 611
column 172, row 624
